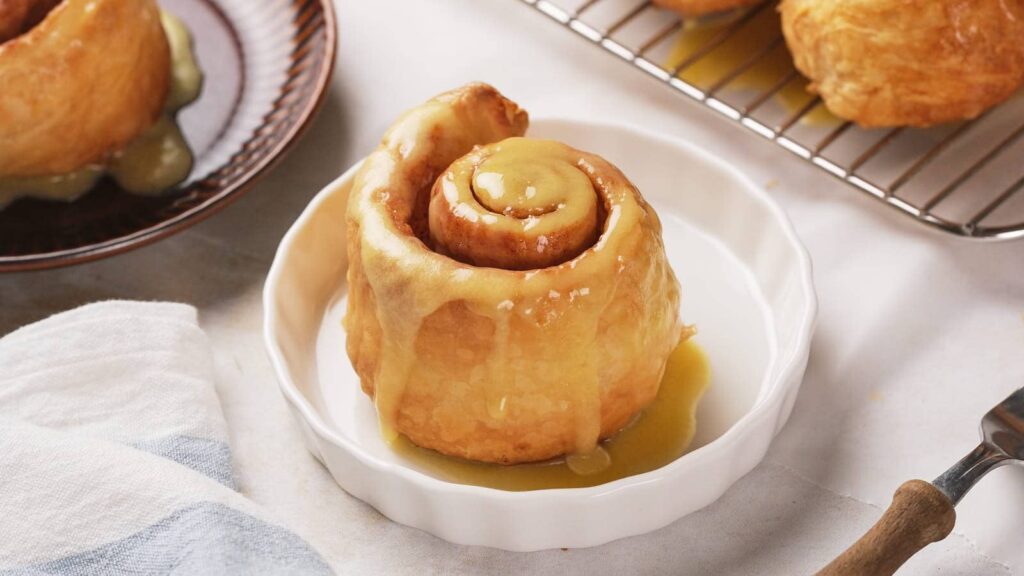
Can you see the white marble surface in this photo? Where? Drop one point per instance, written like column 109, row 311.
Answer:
column 918, row 333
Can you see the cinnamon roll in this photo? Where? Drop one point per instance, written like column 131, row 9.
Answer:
column 509, row 299
column 87, row 79
column 907, row 62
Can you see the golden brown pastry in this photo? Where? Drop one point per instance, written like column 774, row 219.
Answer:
column 695, row 7
column 907, row 62
column 509, row 298
column 19, row 16
column 78, row 85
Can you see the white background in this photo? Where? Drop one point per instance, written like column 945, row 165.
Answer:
column 918, row 334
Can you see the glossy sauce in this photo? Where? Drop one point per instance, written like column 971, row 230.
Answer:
column 155, row 161
column 659, row 435
column 752, row 38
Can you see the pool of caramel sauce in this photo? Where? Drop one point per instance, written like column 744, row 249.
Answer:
column 742, row 44
column 659, row 435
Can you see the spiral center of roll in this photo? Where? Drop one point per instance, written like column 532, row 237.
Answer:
column 519, row 185
column 518, row 204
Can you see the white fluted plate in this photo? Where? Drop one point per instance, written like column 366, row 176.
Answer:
column 746, row 283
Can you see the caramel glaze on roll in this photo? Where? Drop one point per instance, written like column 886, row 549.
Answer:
column 509, row 298
column 696, row 7
column 77, row 81
column 907, row 62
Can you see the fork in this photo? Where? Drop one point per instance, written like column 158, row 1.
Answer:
column 923, row 512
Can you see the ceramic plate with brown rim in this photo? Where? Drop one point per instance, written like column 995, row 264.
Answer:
column 266, row 66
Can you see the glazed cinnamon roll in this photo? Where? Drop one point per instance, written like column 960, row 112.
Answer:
column 907, row 62
column 80, row 79
column 509, row 299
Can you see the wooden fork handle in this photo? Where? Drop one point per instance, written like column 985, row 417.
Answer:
column 919, row 515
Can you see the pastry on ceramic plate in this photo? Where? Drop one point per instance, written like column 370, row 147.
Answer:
column 695, row 7
column 509, row 298
column 267, row 68
column 87, row 87
column 907, row 63
column 747, row 286
column 106, row 68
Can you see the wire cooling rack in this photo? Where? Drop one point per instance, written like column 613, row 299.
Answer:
column 964, row 179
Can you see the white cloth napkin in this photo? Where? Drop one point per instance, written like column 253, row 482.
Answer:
column 114, row 456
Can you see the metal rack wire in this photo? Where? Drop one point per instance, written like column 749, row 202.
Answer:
column 965, row 179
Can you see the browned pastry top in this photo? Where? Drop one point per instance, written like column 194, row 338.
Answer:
column 20, row 16
column 908, row 62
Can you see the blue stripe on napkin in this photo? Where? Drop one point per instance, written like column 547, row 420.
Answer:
column 205, row 539
column 210, row 458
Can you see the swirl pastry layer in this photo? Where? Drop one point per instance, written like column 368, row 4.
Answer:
column 907, row 62
column 509, row 299
column 695, row 7
column 80, row 84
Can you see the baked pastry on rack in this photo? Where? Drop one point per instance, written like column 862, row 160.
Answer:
column 80, row 79
column 509, row 299
column 907, row 62
column 696, row 7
